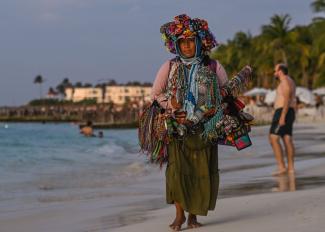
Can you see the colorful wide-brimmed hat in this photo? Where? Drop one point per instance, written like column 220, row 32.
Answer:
column 185, row 27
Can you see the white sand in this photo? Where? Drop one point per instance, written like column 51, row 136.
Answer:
column 302, row 211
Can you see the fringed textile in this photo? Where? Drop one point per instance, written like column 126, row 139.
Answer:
column 152, row 133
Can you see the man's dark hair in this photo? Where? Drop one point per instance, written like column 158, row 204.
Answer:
column 283, row 68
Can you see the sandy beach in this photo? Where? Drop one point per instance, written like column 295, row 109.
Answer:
column 282, row 210
column 250, row 198
column 299, row 211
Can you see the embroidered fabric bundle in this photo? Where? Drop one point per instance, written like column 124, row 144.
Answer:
column 233, row 127
column 184, row 27
column 152, row 133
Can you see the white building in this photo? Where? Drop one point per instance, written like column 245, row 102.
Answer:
column 118, row 94
column 78, row 94
column 121, row 94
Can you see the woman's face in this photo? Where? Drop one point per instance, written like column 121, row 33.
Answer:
column 187, row 47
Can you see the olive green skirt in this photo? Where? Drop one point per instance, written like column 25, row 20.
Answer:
column 192, row 175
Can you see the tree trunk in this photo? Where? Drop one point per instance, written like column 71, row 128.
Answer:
column 40, row 91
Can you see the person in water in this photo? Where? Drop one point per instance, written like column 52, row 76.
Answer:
column 100, row 134
column 87, row 130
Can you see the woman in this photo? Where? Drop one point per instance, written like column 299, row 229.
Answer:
column 188, row 87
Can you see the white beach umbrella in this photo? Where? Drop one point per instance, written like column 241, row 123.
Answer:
column 319, row 91
column 270, row 97
column 256, row 91
column 305, row 95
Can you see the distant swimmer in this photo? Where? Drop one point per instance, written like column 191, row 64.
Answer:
column 87, row 130
column 100, row 134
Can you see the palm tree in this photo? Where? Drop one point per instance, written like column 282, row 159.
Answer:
column 318, row 6
column 276, row 33
column 64, row 84
column 78, row 84
column 39, row 80
column 305, row 45
column 317, row 63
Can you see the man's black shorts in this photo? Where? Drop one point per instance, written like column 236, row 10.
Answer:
column 287, row 128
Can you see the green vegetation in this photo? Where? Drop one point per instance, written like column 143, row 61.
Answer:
column 125, row 125
column 57, row 102
column 48, row 102
column 64, row 84
column 87, row 102
column 302, row 48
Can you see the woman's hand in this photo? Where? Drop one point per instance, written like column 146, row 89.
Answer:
column 180, row 117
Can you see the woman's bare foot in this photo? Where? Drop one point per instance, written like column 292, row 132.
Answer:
column 177, row 224
column 192, row 222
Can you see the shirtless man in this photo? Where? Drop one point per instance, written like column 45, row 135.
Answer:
column 283, row 119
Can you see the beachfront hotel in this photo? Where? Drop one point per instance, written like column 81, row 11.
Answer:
column 117, row 94
column 121, row 94
column 77, row 94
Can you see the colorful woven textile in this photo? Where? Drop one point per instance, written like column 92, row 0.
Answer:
column 185, row 27
column 152, row 133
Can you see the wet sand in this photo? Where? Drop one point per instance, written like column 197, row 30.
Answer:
column 284, row 203
column 255, row 201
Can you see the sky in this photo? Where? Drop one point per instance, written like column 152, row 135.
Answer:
column 97, row 40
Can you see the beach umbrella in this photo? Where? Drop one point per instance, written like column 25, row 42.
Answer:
column 270, row 97
column 256, row 92
column 305, row 95
column 319, row 91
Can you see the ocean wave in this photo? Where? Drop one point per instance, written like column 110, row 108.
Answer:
column 136, row 169
column 117, row 153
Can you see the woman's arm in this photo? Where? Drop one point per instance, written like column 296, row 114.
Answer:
column 160, row 84
column 221, row 74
